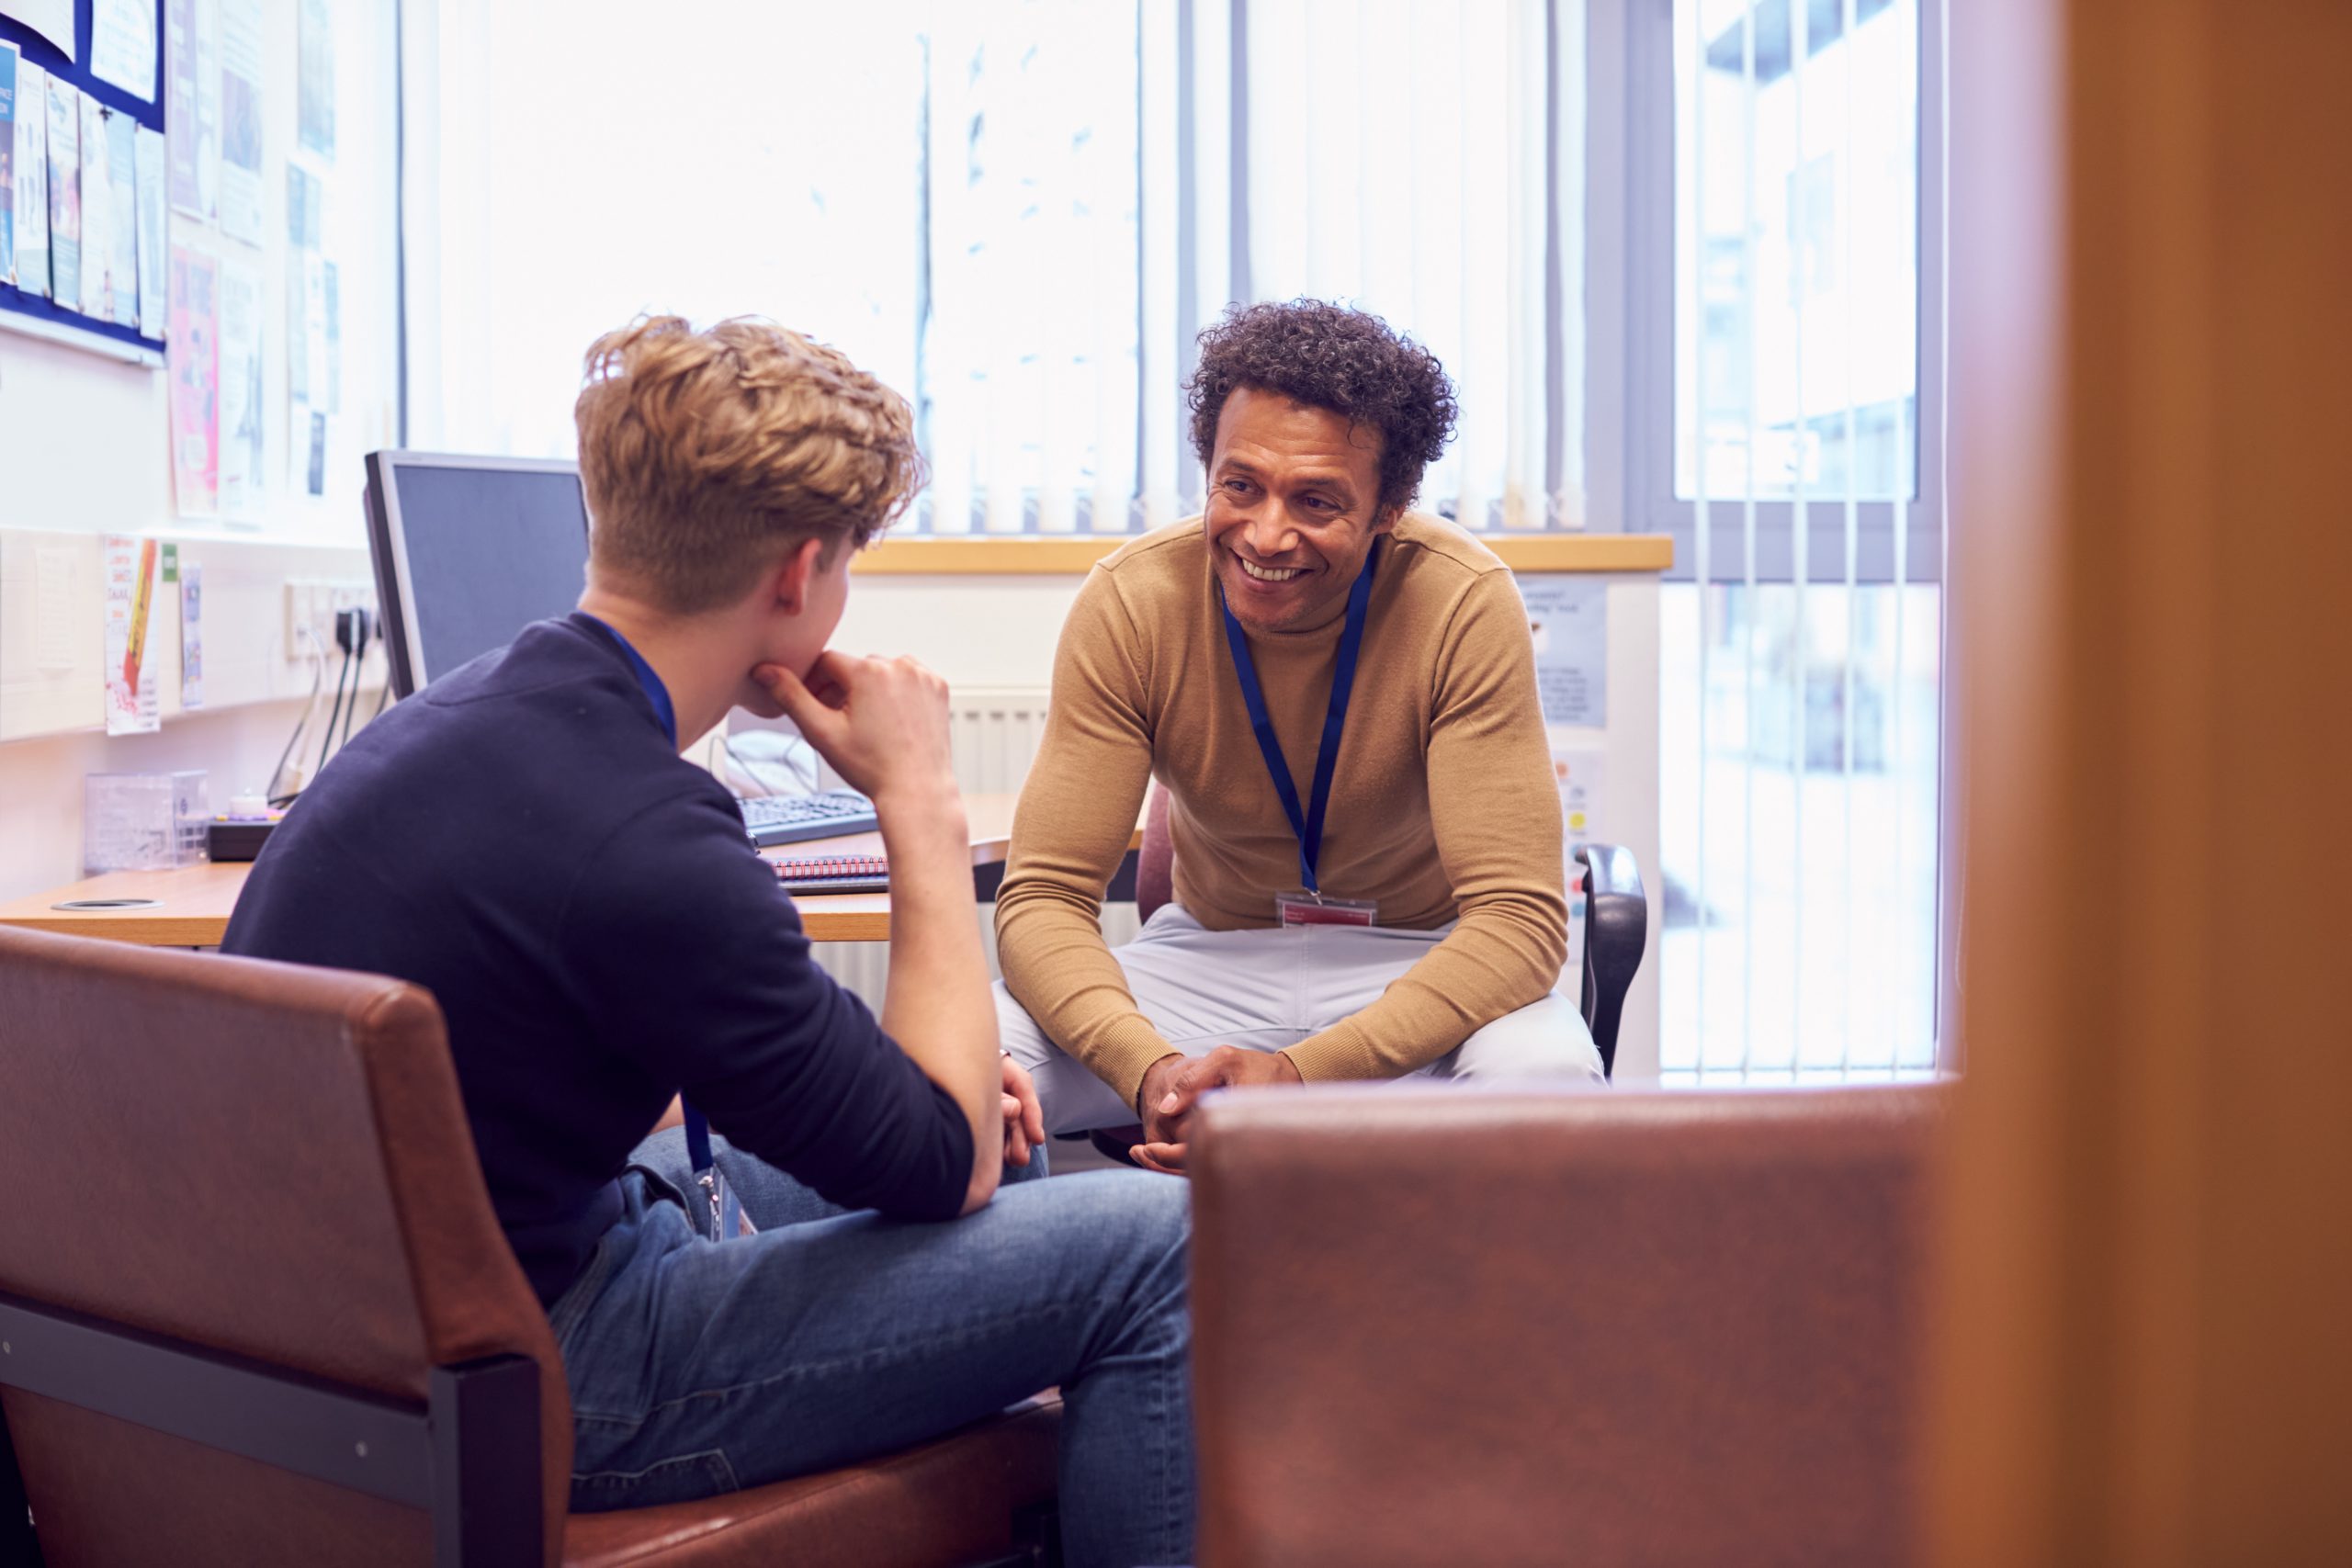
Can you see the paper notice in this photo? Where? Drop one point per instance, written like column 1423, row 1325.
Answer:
column 131, row 704
column 191, row 634
column 314, row 86
column 207, row 19
column 179, row 102
column 241, row 111
column 241, row 393
column 122, row 45
column 31, row 144
column 1568, row 617
column 1579, row 775
column 122, row 223
column 65, row 194
column 194, row 355
column 53, row 19
column 8, row 163
column 97, row 212
column 153, row 234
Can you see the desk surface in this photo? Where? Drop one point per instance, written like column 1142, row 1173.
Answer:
column 191, row 905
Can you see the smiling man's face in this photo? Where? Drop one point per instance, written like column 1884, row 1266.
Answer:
column 1292, row 508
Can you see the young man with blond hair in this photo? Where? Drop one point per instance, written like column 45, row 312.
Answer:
column 523, row 838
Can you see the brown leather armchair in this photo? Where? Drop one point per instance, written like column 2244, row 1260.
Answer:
column 255, row 1308
column 1450, row 1327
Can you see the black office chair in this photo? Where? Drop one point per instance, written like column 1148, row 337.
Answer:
column 1616, row 930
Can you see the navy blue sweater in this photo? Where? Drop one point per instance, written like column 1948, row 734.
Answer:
column 520, row 839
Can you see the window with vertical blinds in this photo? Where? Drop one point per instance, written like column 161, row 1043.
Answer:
column 1682, row 257
column 1021, row 213
column 1792, row 448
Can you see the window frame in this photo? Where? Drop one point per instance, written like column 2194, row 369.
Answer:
column 1641, row 33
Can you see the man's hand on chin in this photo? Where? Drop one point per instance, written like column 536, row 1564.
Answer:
column 1173, row 1086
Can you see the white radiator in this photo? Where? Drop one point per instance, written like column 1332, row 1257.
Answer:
column 995, row 731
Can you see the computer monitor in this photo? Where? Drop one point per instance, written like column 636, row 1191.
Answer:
column 469, row 551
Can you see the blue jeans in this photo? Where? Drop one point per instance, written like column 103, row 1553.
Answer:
column 699, row 1367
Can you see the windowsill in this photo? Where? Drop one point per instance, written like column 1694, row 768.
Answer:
column 1032, row 555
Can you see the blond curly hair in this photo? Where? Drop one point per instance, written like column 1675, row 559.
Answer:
column 707, row 455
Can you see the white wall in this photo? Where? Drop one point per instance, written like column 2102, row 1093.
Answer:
column 84, row 452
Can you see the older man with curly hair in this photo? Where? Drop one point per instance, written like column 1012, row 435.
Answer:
column 1338, row 695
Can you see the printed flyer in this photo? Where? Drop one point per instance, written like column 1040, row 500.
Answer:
column 194, row 355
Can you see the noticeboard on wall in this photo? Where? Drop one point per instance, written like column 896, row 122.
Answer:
column 85, row 167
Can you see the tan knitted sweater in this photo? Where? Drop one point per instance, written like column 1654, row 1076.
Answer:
column 1443, row 803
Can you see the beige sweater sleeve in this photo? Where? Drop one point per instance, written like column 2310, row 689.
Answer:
column 1077, row 814
column 1496, row 817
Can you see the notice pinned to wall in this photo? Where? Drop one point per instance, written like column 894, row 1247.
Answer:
column 53, row 19
column 1568, row 618
column 1579, row 772
column 191, row 634
column 195, row 358
column 132, row 706
column 123, row 45
column 241, row 116
column 242, row 488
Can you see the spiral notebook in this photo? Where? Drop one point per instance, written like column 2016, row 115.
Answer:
column 803, row 874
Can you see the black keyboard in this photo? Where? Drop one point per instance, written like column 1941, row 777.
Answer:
column 789, row 819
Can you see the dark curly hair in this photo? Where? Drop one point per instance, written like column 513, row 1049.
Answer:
column 1328, row 357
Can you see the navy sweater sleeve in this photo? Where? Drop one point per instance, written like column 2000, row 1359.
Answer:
column 690, row 960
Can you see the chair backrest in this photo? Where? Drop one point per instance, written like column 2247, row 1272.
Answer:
column 1156, row 860
column 259, row 1158
column 1606, row 1327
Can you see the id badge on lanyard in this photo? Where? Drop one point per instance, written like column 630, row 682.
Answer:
column 1308, row 906
column 727, row 1217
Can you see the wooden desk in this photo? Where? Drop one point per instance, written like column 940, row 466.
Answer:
column 191, row 905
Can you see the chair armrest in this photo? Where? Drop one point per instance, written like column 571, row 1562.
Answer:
column 1616, row 930
column 1451, row 1327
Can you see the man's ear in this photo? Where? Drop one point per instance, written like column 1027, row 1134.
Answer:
column 1386, row 519
column 801, row 563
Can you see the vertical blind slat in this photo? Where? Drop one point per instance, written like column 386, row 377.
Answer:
column 1702, row 531
column 1748, row 270
column 1801, row 639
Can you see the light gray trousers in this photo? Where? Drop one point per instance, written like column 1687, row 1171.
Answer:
column 1263, row 990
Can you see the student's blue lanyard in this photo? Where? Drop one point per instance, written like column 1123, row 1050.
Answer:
column 1308, row 824
column 698, row 1126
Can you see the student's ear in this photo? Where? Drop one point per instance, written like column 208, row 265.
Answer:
column 801, row 564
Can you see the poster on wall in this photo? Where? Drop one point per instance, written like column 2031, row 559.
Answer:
column 242, row 488
column 194, row 355
column 191, row 634
column 32, row 178
column 179, row 102
column 152, row 233
column 65, row 193
column 122, row 222
column 316, row 87
column 98, row 211
column 241, row 114
column 1568, row 616
column 132, row 703
column 8, row 163
column 53, row 19
column 122, row 45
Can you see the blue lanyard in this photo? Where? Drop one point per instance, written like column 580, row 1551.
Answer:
column 1307, row 824
column 655, row 692
column 698, row 1125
